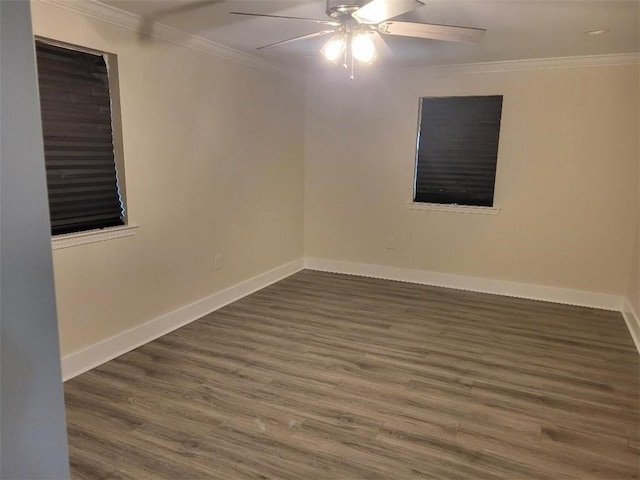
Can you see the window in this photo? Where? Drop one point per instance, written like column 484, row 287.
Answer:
column 76, row 106
column 457, row 150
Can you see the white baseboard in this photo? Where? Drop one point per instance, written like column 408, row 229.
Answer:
column 83, row 360
column 474, row 284
column 633, row 322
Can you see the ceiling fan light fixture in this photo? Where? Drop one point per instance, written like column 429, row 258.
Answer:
column 334, row 48
column 358, row 27
column 362, row 48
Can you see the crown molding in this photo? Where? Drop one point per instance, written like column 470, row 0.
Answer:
column 530, row 64
column 130, row 21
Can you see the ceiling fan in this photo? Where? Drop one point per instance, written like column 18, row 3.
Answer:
column 357, row 25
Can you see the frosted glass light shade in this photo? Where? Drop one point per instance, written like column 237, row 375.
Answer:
column 334, row 48
column 363, row 48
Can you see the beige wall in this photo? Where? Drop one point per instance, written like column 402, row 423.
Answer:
column 633, row 292
column 566, row 182
column 214, row 164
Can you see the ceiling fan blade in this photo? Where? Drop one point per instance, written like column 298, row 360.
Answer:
column 378, row 11
column 320, row 22
column 381, row 45
column 145, row 30
column 184, row 7
column 295, row 39
column 448, row 33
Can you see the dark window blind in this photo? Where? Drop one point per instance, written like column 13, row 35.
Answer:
column 78, row 140
column 458, row 150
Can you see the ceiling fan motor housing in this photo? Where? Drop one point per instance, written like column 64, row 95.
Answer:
column 343, row 8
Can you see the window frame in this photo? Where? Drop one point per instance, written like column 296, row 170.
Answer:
column 414, row 204
column 64, row 240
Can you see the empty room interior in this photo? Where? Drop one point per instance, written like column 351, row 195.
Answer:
column 309, row 239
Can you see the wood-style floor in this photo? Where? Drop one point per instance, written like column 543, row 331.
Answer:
column 325, row 376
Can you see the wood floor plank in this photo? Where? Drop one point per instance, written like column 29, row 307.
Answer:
column 327, row 376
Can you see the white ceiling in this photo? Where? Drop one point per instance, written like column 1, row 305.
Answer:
column 516, row 29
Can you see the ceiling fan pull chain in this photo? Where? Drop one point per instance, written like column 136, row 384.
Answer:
column 352, row 67
column 346, row 47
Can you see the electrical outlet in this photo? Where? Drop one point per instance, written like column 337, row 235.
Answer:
column 217, row 262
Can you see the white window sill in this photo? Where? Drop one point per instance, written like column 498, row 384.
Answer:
column 437, row 207
column 92, row 236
